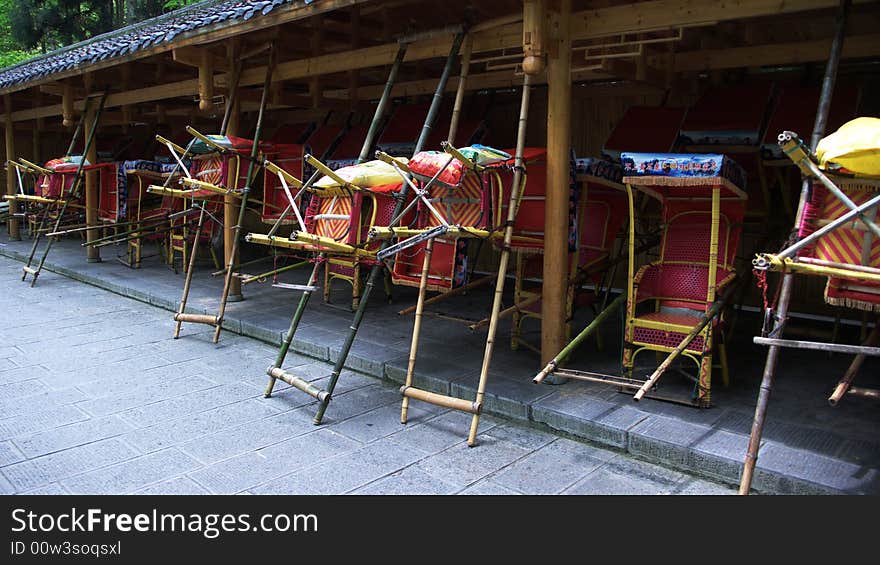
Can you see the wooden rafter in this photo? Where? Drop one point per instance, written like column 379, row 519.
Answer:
column 600, row 22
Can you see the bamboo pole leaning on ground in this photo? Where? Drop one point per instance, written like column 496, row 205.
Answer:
column 377, row 269
column 217, row 320
column 275, row 371
column 71, row 194
column 788, row 279
column 845, row 383
column 515, row 194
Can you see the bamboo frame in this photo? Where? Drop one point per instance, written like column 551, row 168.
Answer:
column 795, row 150
column 377, row 269
column 482, row 281
column 773, row 262
column 705, row 320
column 242, row 195
column 236, row 229
column 591, row 328
column 306, row 295
column 845, row 383
column 475, row 407
column 788, row 279
column 71, row 194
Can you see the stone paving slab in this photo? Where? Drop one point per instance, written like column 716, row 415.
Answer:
column 197, row 407
column 251, row 436
column 640, row 477
column 49, row 399
column 408, row 481
column 72, row 435
column 132, row 474
column 458, row 466
column 173, row 430
column 179, row 485
column 40, row 420
column 553, row 468
column 62, row 464
column 254, row 468
column 345, row 473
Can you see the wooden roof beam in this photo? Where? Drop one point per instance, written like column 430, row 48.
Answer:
column 194, row 57
column 630, row 18
column 492, row 80
column 774, row 54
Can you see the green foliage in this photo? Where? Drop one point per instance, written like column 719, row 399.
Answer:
column 28, row 27
column 49, row 24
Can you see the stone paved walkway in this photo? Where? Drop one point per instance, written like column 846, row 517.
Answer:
column 808, row 447
column 95, row 397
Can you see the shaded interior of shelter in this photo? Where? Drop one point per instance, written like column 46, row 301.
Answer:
column 450, row 354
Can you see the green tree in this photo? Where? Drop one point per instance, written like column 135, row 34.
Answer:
column 28, row 27
column 11, row 51
column 49, row 24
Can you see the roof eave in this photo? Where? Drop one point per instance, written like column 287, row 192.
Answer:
column 207, row 34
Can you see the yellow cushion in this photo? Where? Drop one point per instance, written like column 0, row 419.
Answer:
column 855, row 147
column 364, row 175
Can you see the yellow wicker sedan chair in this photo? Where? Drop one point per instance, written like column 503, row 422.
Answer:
column 463, row 195
column 344, row 206
column 703, row 203
column 838, row 235
column 598, row 210
column 214, row 167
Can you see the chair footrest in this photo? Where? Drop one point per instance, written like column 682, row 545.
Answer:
column 441, row 400
column 298, row 383
column 29, row 270
column 196, row 318
column 625, row 382
column 302, row 287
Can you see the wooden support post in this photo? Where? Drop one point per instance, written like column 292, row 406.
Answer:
column 67, row 119
column 39, row 125
column 206, row 81
column 93, row 251
column 12, row 223
column 230, row 202
column 354, row 75
column 555, row 271
column 315, row 81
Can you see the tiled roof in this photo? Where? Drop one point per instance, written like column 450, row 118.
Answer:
column 137, row 37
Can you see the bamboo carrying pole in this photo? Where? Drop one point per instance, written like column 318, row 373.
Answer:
column 515, row 194
column 417, row 328
column 383, row 104
column 555, row 275
column 181, row 316
column 429, row 250
column 288, row 337
column 579, row 339
column 459, row 93
column 376, row 271
column 71, row 193
column 788, row 279
column 232, row 257
column 845, row 383
column 372, row 132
